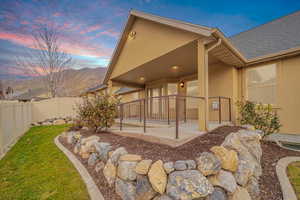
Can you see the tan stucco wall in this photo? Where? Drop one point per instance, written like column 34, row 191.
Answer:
column 222, row 82
column 151, row 41
column 288, row 92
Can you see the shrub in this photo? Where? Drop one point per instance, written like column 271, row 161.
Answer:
column 97, row 113
column 261, row 116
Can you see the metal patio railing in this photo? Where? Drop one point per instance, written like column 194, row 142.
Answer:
column 173, row 110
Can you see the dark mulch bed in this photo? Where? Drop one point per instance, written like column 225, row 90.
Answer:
column 269, row 184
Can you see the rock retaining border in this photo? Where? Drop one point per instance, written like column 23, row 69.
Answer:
column 92, row 188
column 230, row 171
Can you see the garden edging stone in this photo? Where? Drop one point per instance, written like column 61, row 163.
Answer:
column 286, row 187
column 92, row 188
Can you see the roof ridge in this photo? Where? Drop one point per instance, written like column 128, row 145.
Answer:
column 263, row 24
column 172, row 19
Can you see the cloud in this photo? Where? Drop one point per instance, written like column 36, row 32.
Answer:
column 109, row 32
column 90, row 29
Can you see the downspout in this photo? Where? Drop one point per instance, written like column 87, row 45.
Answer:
column 206, row 80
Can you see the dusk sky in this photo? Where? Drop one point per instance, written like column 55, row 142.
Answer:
column 91, row 28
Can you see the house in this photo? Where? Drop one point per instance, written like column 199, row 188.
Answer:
column 191, row 72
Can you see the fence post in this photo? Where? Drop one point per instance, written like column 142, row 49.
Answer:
column 177, row 117
column 145, row 115
column 220, row 111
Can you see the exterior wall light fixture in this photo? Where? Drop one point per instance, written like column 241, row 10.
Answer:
column 132, row 35
column 181, row 84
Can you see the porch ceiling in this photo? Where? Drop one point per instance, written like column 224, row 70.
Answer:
column 185, row 57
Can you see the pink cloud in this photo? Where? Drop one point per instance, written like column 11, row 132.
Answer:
column 110, row 33
column 20, row 39
column 57, row 14
column 68, row 45
column 91, row 29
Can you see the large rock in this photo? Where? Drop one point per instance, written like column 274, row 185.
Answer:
column 126, row 190
column 110, row 172
column 130, row 157
column 59, row 122
column 244, row 172
column 162, row 197
column 228, row 158
column 93, row 159
column 253, row 188
column 144, row 191
column 225, row 180
column 116, row 154
column 180, row 165
column 238, row 142
column 218, row 194
column 158, row 177
column 191, row 164
column 169, row 167
column 126, row 170
column 102, row 149
column 143, row 167
column 188, row 184
column 208, row 164
column 90, row 138
column 240, row 194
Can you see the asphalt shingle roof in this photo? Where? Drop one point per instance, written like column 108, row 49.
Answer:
column 273, row 37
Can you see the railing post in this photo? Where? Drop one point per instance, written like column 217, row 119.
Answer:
column 220, row 111
column 168, row 106
column 140, row 111
column 177, row 117
column 229, row 109
column 121, row 116
column 184, row 101
column 145, row 115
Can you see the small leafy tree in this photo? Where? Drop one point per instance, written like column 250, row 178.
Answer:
column 261, row 116
column 97, row 113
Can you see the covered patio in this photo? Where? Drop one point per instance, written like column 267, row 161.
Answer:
column 187, row 77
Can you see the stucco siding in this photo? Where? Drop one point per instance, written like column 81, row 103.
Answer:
column 151, row 41
column 288, row 94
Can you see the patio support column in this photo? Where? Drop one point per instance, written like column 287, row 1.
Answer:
column 202, row 63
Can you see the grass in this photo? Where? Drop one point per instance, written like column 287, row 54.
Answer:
column 293, row 171
column 36, row 169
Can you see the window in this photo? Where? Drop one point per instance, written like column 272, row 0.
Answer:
column 261, row 84
column 192, row 88
column 172, row 88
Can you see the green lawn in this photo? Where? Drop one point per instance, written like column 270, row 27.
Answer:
column 293, row 172
column 36, row 169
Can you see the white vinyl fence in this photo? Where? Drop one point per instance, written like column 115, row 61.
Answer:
column 16, row 117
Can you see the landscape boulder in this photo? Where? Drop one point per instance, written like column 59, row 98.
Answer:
column 169, row 167
column 188, row 184
column 126, row 170
column 180, row 165
column 240, row 194
column 225, row 180
column 99, row 166
column 126, row 190
column 218, row 194
column 114, row 157
column 92, row 159
column 228, row 158
column 208, row 164
column 144, row 191
column 143, row 167
column 102, row 149
column 158, row 177
column 110, row 172
column 130, row 157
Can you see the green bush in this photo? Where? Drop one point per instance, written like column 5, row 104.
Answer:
column 261, row 116
column 97, row 113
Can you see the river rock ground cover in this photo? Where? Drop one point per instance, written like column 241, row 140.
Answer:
column 269, row 185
